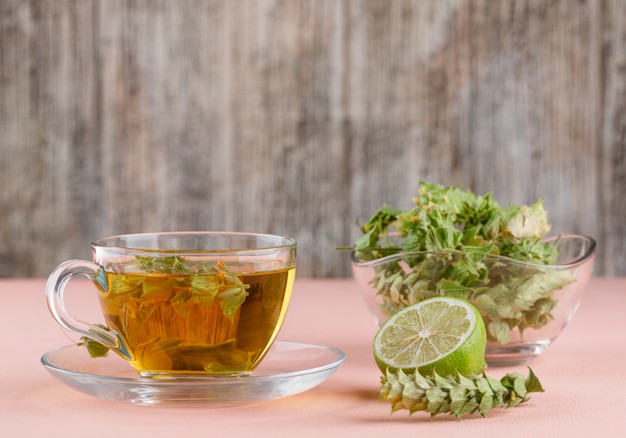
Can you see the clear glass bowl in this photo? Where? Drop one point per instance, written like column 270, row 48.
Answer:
column 524, row 306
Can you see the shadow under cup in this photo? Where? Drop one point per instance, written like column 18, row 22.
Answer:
column 185, row 304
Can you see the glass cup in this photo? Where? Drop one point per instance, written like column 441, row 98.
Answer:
column 184, row 303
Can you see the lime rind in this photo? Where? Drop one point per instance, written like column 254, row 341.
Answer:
column 440, row 334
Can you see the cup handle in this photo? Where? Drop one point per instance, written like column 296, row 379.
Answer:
column 55, row 289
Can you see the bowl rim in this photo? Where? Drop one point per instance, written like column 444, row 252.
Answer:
column 589, row 252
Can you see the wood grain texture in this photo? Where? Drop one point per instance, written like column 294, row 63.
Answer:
column 298, row 117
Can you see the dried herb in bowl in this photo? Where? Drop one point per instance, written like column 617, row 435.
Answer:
column 459, row 244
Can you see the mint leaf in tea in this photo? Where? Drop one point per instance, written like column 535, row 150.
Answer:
column 190, row 316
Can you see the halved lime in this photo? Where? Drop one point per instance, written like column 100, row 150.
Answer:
column 441, row 334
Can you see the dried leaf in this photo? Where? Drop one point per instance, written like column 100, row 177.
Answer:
column 455, row 395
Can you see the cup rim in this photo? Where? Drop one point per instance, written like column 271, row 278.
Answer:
column 590, row 250
column 106, row 242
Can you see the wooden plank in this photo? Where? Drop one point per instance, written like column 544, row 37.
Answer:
column 298, row 117
column 611, row 122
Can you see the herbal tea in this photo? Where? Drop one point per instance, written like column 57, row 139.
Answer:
column 179, row 318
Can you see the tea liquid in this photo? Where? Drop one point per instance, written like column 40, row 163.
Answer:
column 170, row 328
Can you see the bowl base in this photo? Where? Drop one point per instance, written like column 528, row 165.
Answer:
column 515, row 354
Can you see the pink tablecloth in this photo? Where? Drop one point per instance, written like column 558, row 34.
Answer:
column 584, row 373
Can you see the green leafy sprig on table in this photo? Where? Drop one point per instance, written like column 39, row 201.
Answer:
column 453, row 236
column 455, row 395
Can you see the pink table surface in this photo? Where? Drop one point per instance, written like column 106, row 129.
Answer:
column 584, row 373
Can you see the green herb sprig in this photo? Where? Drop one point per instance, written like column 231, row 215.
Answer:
column 203, row 284
column 455, row 395
column 94, row 348
column 450, row 241
column 191, row 284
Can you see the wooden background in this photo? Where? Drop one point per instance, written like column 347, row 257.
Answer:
column 298, row 117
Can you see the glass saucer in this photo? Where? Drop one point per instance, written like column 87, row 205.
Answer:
column 289, row 368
